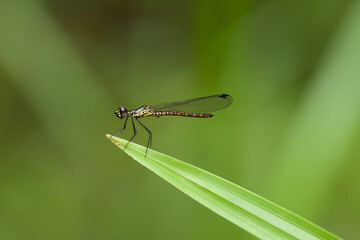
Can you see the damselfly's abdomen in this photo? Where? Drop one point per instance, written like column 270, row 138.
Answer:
column 183, row 114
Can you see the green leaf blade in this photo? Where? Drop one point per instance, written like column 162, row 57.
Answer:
column 245, row 209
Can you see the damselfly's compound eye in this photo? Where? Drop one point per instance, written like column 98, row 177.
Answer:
column 121, row 112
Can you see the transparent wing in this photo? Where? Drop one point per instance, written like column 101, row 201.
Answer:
column 197, row 105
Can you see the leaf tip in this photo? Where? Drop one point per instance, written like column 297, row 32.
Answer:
column 114, row 140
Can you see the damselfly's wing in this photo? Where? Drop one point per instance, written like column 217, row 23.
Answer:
column 196, row 105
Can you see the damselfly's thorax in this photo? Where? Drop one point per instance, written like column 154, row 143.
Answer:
column 142, row 111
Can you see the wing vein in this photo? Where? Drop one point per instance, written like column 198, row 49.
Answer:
column 196, row 105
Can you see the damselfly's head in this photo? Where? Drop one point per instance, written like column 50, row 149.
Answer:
column 121, row 112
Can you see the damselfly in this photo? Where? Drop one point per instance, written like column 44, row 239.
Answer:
column 196, row 107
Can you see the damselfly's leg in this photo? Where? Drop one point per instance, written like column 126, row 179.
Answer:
column 121, row 129
column 150, row 136
column 132, row 120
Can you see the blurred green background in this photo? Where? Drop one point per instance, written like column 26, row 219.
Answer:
column 291, row 135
